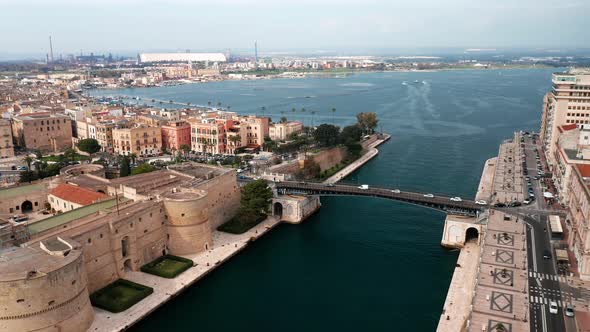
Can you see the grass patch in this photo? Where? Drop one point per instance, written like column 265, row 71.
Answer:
column 241, row 223
column 120, row 295
column 168, row 266
column 62, row 158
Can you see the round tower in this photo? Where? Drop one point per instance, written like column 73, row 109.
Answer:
column 187, row 224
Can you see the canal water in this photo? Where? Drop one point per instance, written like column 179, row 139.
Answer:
column 359, row 264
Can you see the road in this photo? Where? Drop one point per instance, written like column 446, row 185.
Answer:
column 544, row 282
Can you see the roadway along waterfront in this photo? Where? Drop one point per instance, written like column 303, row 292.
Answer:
column 360, row 264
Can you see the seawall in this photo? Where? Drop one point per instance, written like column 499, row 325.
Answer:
column 370, row 154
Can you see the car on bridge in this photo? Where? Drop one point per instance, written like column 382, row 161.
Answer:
column 364, row 187
column 396, row 191
column 553, row 307
column 456, row 199
column 428, row 195
column 481, row 202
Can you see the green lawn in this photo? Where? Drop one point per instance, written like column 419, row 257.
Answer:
column 237, row 225
column 120, row 295
column 62, row 158
column 167, row 266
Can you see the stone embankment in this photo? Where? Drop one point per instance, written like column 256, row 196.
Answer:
column 226, row 246
column 370, row 154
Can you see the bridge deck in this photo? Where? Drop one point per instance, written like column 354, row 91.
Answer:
column 439, row 202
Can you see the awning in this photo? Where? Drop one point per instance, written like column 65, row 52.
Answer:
column 561, row 255
column 547, row 194
column 555, row 224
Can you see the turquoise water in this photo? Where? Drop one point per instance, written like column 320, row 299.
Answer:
column 360, row 264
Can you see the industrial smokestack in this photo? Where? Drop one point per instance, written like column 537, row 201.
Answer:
column 50, row 50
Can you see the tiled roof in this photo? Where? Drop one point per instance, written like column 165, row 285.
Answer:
column 584, row 169
column 78, row 195
column 568, row 127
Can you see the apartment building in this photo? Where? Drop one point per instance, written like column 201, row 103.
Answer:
column 567, row 103
column 6, row 147
column 208, row 136
column 256, row 129
column 140, row 139
column 175, row 134
column 572, row 148
column 43, row 131
column 578, row 216
column 281, row 131
column 104, row 135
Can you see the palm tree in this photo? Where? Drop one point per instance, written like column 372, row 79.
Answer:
column 293, row 110
column 209, row 103
column 133, row 157
column 312, row 114
column 263, row 108
column 302, row 117
column 228, row 107
column 333, row 111
column 28, row 160
column 218, row 104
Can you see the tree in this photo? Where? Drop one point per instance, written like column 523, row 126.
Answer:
column 38, row 154
column 124, row 167
column 303, row 117
column 263, row 109
column 283, row 119
column 311, row 170
column 351, row 134
column 89, row 145
column 367, row 121
column 326, row 135
column 143, row 168
column 133, row 157
column 70, row 155
column 256, row 197
column 185, row 149
column 333, row 111
column 293, row 110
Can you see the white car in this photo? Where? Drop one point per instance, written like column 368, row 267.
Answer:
column 396, row 191
column 364, row 186
column 428, row 195
column 481, row 202
column 456, row 199
column 553, row 307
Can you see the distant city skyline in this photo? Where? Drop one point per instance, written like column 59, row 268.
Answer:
column 129, row 26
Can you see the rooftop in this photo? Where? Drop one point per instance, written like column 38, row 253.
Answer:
column 78, row 195
column 21, row 190
column 61, row 219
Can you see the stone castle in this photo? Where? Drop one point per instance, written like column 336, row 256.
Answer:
column 48, row 267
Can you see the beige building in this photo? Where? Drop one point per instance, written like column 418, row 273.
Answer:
column 578, row 217
column 140, row 139
column 208, row 136
column 66, row 197
column 104, row 135
column 573, row 148
column 281, row 131
column 43, row 131
column 567, row 103
column 6, row 146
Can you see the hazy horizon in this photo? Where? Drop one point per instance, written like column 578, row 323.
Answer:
column 130, row 26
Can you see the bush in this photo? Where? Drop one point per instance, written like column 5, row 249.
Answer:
column 120, row 295
column 167, row 266
column 242, row 222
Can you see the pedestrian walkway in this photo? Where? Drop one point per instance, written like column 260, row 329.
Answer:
column 372, row 152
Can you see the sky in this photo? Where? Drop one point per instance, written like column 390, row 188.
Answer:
column 132, row 26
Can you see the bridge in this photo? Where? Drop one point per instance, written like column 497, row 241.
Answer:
column 437, row 202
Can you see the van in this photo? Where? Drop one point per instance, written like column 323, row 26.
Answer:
column 364, row 186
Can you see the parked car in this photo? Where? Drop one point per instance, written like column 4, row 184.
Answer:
column 456, row 199
column 22, row 168
column 428, row 195
column 500, row 205
column 481, row 202
column 515, row 204
column 527, row 201
column 553, row 307
column 546, row 254
column 569, row 310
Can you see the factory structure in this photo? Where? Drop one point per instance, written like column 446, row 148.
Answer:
column 181, row 57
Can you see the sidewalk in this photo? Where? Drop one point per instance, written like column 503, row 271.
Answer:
column 359, row 162
column 226, row 246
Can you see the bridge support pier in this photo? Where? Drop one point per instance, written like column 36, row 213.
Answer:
column 459, row 229
column 294, row 209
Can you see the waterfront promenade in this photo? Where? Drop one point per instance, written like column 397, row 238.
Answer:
column 226, row 246
column 372, row 151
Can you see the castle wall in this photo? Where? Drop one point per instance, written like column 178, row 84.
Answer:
column 223, row 194
column 48, row 300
